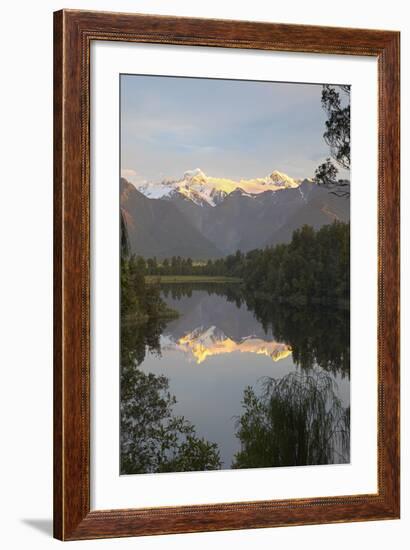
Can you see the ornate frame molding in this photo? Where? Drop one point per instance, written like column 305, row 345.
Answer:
column 73, row 33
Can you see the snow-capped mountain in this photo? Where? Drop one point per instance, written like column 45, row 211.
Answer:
column 204, row 221
column 204, row 342
column 201, row 189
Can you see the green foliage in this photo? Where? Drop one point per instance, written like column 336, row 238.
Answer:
column 337, row 133
column 336, row 103
column 125, row 244
column 312, row 269
column 298, row 420
column 191, row 279
column 194, row 454
column 139, row 301
column 317, row 335
column 153, row 439
column 221, row 267
column 326, row 173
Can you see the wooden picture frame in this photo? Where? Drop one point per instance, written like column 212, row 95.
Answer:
column 74, row 32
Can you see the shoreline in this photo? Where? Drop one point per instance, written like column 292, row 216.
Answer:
column 167, row 279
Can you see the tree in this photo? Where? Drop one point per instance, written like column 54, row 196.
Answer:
column 152, row 265
column 337, row 134
column 165, row 266
column 336, row 103
column 153, row 439
column 317, row 336
column 298, row 420
column 326, row 173
column 312, row 268
column 125, row 243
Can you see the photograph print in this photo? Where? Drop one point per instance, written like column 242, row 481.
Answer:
column 235, row 274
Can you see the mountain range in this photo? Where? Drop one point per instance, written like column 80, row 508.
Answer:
column 204, row 342
column 208, row 190
column 203, row 217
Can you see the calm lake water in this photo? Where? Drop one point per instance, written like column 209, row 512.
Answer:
column 223, row 342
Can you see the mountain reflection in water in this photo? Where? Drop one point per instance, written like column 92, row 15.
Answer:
column 241, row 344
column 205, row 342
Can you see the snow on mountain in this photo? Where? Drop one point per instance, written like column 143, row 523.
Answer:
column 204, row 342
column 208, row 190
column 155, row 190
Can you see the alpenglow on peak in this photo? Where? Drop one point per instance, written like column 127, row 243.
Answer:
column 206, row 190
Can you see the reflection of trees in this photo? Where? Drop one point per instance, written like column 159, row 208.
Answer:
column 153, row 439
column 297, row 420
column 232, row 293
column 137, row 337
column 316, row 335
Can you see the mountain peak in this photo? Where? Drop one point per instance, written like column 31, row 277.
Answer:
column 194, row 173
column 206, row 190
column 189, row 221
column 281, row 178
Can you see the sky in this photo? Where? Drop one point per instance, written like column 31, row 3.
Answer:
column 228, row 128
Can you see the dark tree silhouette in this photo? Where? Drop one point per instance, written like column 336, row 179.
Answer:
column 337, row 134
column 336, row 103
column 297, row 421
column 312, row 268
column 317, row 336
column 153, row 438
column 125, row 243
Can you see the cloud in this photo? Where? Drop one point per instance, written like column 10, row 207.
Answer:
column 132, row 176
column 236, row 129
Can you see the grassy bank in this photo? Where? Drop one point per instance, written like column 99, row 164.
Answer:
column 166, row 279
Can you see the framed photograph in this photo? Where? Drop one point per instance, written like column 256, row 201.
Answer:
column 226, row 275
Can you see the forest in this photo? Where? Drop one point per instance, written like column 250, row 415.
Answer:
column 297, row 292
column 140, row 303
column 312, row 269
column 296, row 419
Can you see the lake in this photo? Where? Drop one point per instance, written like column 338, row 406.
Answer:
column 224, row 342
